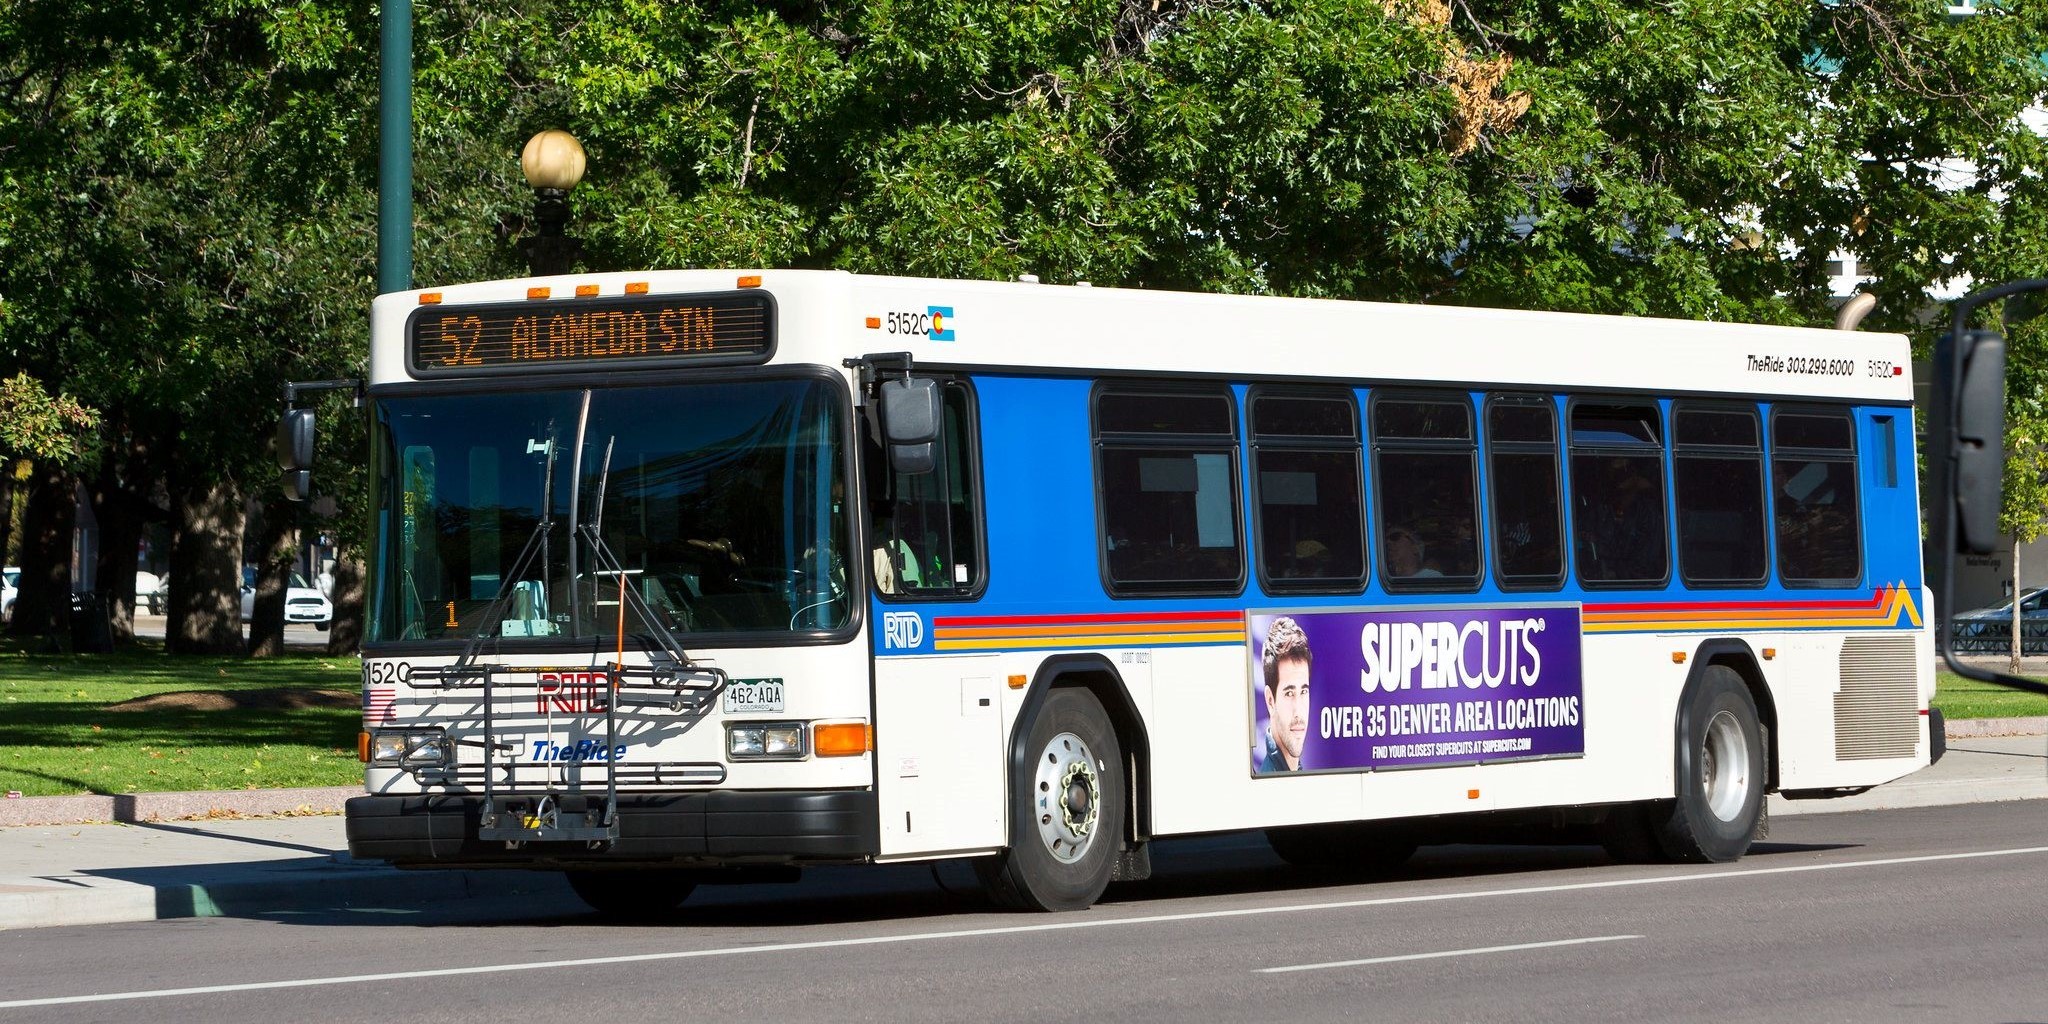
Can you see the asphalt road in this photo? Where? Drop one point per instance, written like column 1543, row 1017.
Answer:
column 1922, row 914
column 297, row 636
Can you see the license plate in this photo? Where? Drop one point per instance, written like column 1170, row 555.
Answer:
column 753, row 696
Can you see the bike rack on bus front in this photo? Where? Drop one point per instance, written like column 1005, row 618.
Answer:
column 508, row 817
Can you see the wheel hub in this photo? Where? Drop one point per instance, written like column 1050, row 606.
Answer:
column 1068, row 795
column 1725, row 767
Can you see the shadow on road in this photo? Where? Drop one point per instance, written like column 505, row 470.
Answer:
column 914, row 895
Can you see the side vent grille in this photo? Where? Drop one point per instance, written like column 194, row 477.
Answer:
column 1877, row 710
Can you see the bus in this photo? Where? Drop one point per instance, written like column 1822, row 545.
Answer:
column 689, row 577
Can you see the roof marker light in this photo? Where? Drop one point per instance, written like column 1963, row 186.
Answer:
column 585, row 291
column 750, row 280
column 430, row 298
column 536, row 293
column 636, row 287
column 874, row 323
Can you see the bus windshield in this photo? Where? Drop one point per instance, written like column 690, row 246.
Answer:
column 722, row 504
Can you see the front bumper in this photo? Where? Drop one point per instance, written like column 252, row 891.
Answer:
column 705, row 829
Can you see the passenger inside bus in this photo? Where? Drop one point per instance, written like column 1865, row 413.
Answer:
column 1627, row 531
column 1405, row 556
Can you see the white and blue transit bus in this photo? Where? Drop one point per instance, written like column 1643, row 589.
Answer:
column 695, row 576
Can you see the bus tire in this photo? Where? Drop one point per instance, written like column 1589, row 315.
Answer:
column 1346, row 847
column 1066, row 811
column 1720, row 773
column 632, row 895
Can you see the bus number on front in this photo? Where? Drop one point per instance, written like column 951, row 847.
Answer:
column 935, row 323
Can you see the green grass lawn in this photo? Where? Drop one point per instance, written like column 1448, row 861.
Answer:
column 1966, row 698
column 147, row 722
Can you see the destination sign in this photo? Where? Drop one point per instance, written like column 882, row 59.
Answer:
column 590, row 333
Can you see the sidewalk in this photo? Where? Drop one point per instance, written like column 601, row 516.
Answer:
column 103, row 873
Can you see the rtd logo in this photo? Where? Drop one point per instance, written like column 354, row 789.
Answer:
column 575, row 693
column 902, row 630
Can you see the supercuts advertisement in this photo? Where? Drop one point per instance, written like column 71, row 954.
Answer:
column 1416, row 687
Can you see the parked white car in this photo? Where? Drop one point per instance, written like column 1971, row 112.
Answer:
column 302, row 603
column 10, row 586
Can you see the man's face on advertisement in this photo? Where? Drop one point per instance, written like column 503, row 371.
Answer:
column 1287, row 709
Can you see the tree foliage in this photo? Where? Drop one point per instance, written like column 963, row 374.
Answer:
column 38, row 425
column 187, row 190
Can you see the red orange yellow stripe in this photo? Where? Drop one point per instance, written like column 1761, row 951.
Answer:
column 1891, row 605
column 976, row 633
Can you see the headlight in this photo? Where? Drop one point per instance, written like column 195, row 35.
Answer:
column 413, row 748
column 764, row 741
column 386, row 747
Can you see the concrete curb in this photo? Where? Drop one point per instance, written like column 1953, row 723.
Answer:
column 140, row 807
column 1969, row 728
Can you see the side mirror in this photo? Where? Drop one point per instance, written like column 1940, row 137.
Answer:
column 1979, row 442
column 913, row 459
column 910, row 423
column 295, row 439
column 910, row 411
column 295, row 453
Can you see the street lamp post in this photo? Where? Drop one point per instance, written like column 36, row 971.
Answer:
column 553, row 161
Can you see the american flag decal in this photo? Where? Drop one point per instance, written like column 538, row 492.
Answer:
column 378, row 702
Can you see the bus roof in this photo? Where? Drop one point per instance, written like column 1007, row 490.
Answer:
column 825, row 317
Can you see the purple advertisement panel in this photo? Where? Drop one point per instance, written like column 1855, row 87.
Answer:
column 1417, row 687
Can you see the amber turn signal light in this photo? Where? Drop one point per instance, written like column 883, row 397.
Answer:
column 841, row 739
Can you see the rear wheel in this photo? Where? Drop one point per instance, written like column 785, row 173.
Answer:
column 1066, row 810
column 1342, row 847
column 633, row 895
column 1721, row 773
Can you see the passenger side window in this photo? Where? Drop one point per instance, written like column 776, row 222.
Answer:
column 1717, row 469
column 1425, row 471
column 1522, row 473
column 1166, row 484
column 925, row 528
column 1305, row 479
column 1813, row 486
column 1619, row 533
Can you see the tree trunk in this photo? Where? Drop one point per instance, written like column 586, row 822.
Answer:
column 2017, row 643
column 120, row 538
column 206, row 570
column 6, row 507
column 277, row 537
column 345, row 636
column 43, row 607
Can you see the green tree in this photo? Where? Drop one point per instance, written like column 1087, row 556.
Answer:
column 2024, row 510
column 186, row 204
column 195, row 235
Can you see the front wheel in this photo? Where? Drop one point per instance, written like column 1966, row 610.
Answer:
column 1066, row 810
column 1721, row 774
column 632, row 895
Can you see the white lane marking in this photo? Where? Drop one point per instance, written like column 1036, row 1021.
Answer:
column 1024, row 929
column 1443, row 953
